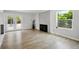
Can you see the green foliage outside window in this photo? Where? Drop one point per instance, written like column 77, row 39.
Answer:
column 65, row 19
column 18, row 20
column 10, row 20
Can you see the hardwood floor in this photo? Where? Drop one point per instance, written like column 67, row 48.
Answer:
column 33, row 39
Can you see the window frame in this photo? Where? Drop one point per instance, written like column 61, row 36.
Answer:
column 57, row 20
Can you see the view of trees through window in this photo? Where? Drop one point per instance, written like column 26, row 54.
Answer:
column 10, row 20
column 18, row 19
column 65, row 19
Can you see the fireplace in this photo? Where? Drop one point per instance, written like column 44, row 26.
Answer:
column 44, row 27
column 1, row 29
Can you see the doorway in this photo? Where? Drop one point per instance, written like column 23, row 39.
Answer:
column 18, row 21
column 14, row 23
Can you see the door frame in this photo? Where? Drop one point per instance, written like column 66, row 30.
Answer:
column 14, row 21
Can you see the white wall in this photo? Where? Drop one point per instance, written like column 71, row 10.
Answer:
column 1, row 18
column 44, row 18
column 72, row 33
column 27, row 21
column 36, row 18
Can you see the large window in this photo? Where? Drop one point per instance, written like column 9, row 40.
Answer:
column 64, row 19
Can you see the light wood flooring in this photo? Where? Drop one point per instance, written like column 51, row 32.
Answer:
column 34, row 39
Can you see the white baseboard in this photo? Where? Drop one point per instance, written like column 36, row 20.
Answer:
column 18, row 30
column 66, row 36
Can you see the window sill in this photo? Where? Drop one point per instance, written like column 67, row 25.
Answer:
column 63, row 28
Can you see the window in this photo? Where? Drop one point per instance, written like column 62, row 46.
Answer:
column 64, row 19
column 18, row 19
column 10, row 20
